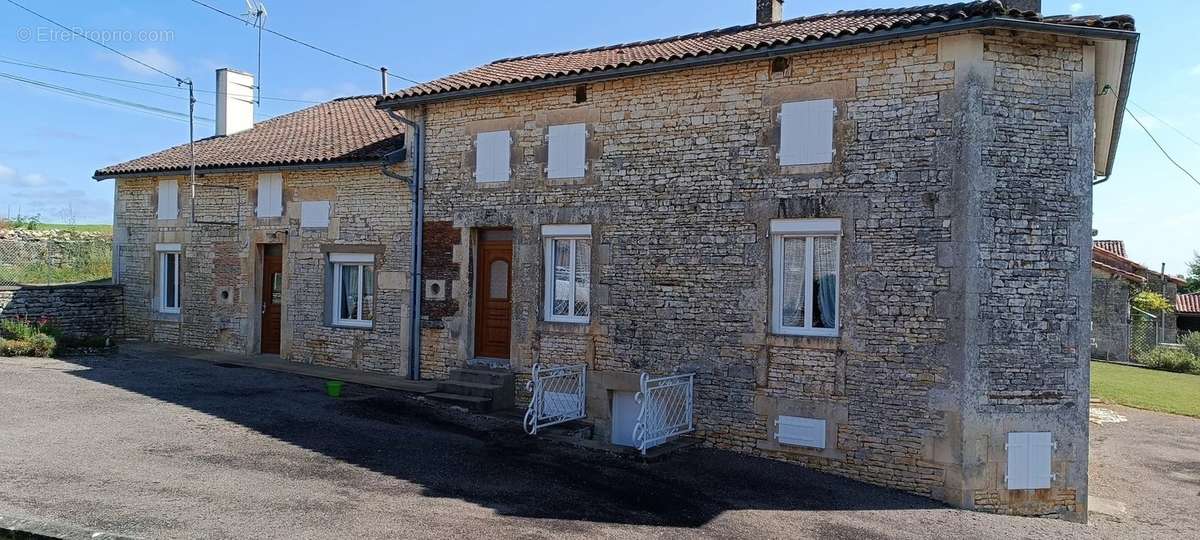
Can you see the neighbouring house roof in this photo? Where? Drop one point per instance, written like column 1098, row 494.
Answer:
column 831, row 26
column 1112, row 246
column 1188, row 303
column 345, row 130
column 1109, row 256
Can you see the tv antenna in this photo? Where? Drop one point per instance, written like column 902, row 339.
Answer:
column 256, row 15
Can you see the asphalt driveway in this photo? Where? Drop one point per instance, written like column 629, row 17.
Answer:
column 163, row 447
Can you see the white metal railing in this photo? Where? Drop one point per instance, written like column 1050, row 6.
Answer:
column 666, row 409
column 559, row 394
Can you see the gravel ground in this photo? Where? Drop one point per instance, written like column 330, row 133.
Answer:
column 161, row 447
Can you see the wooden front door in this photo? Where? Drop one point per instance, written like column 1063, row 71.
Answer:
column 493, row 305
column 272, row 298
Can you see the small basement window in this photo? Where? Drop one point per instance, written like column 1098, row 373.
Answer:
column 168, row 199
column 492, row 153
column 168, row 277
column 270, row 195
column 804, row 276
column 568, row 272
column 353, row 289
column 1029, row 455
column 806, row 132
column 800, row 431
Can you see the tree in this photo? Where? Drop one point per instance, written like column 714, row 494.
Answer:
column 1151, row 302
column 1193, row 276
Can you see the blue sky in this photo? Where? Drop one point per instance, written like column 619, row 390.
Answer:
column 50, row 144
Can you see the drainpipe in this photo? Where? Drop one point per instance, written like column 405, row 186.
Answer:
column 417, row 184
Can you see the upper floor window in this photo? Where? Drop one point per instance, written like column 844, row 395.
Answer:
column 270, row 195
column 353, row 289
column 492, row 153
column 168, row 277
column 568, row 272
column 806, row 132
column 168, row 199
column 567, row 151
column 804, row 282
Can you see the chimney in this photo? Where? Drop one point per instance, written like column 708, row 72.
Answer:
column 1024, row 5
column 769, row 11
column 235, row 101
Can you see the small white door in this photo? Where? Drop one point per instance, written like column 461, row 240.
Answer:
column 624, row 416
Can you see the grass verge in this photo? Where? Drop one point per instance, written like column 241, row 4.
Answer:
column 1162, row 391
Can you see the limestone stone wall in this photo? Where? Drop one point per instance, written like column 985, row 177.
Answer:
column 1110, row 318
column 962, row 180
column 220, row 282
column 79, row 310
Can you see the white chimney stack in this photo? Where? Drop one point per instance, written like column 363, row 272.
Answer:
column 235, row 101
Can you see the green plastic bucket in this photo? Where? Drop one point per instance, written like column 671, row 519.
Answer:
column 333, row 388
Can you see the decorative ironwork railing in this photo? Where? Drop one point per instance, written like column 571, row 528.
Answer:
column 559, row 394
column 666, row 409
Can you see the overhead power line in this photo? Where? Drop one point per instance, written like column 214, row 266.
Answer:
column 16, row 62
column 101, row 98
column 1160, row 147
column 304, row 43
column 179, row 80
column 1165, row 123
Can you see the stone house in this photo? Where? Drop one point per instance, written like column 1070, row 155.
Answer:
column 866, row 234
column 1187, row 308
column 1117, row 329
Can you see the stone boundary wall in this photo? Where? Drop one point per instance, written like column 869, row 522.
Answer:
column 80, row 310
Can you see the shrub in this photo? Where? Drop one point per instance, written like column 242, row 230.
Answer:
column 42, row 345
column 17, row 329
column 15, row 348
column 1151, row 302
column 1174, row 359
column 1191, row 342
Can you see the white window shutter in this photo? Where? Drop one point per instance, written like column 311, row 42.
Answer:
column 567, row 153
column 492, row 156
column 806, row 132
column 270, row 195
column 314, row 214
column 1029, row 456
column 168, row 199
column 799, row 431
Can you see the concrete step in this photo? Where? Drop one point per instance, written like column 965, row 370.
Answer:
column 464, row 388
column 471, row 403
column 485, row 376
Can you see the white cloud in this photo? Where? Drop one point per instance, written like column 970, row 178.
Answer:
column 33, row 179
column 5, row 171
column 151, row 56
column 1195, row 70
column 1076, row 7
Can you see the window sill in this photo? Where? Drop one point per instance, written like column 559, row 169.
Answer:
column 566, row 327
column 827, row 342
column 351, row 326
column 167, row 316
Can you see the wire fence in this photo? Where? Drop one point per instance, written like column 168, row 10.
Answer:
column 54, row 261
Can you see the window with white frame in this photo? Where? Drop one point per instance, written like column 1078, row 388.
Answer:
column 568, row 272
column 567, row 151
column 804, row 284
column 353, row 289
column 168, row 199
column 270, row 195
column 168, row 277
column 492, row 155
column 806, row 132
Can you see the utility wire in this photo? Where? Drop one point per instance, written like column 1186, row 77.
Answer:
column 1164, row 122
column 1160, row 147
column 77, row 33
column 16, row 62
column 101, row 98
column 299, row 42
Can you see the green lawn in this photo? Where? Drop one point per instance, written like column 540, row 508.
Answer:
column 1141, row 388
column 81, row 228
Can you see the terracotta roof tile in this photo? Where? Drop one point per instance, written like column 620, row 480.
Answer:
column 738, row 38
column 1188, row 303
column 343, row 130
column 1111, row 246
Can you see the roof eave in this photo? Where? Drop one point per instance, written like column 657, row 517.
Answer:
column 99, row 176
column 767, row 52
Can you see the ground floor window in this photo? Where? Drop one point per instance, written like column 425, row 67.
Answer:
column 168, row 277
column 353, row 289
column 804, row 285
column 568, row 272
